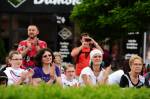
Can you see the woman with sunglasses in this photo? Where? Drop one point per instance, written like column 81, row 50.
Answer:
column 15, row 74
column 45, row 70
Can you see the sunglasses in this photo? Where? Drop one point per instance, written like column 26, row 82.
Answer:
column 49, row 55
column 17, row 59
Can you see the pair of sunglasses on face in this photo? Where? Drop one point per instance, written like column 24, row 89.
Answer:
column 48, row 55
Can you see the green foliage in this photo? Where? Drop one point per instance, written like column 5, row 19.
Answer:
column 112, row 17
column 55, row 92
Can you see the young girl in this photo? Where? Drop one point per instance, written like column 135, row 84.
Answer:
column 15, row 74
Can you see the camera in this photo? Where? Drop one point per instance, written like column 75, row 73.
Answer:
column 87, row 39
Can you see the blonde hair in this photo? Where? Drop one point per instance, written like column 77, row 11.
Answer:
column 12, row 53
column 57, row 54
column 134, row 57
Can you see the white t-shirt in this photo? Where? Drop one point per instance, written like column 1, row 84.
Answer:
column 88, row 71
column 68, row 83
column 13, row 74
column 115, row 77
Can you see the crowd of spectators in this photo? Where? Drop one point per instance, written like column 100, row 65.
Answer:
column 33, row 63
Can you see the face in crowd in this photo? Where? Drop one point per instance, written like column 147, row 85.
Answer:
column 97, row 59
column 47, row 57
column 44, row 56
column 85, row 40
column 136, row 64
column 15, row 59
column 32, row 31
column 58, row 58
column 70, row 72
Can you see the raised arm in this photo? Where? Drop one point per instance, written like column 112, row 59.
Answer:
column 96, row 45
column 76, row 51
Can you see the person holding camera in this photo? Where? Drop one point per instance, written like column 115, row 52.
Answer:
column 29, row 47
column 81, row 53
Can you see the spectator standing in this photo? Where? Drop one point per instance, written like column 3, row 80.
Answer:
column 29, row 47
column 81, row 53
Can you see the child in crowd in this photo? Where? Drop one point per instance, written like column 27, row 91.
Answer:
column 15, row 74
column 69, row 79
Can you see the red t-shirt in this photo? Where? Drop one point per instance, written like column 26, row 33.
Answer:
column 82, row 60
column 28, row 59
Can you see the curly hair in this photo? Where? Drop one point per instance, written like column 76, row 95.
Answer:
column 38, row 57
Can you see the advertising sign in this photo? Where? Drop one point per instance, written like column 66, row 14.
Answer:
column 65, row 43
column 132, row 44
column 38, row 6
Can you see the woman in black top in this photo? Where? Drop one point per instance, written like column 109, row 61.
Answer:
column 133, row 78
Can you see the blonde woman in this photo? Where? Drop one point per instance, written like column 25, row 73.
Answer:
column 133, row 78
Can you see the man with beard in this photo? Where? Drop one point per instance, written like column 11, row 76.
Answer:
column 29, row 47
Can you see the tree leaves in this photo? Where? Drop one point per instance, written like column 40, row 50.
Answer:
column 112, row 17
